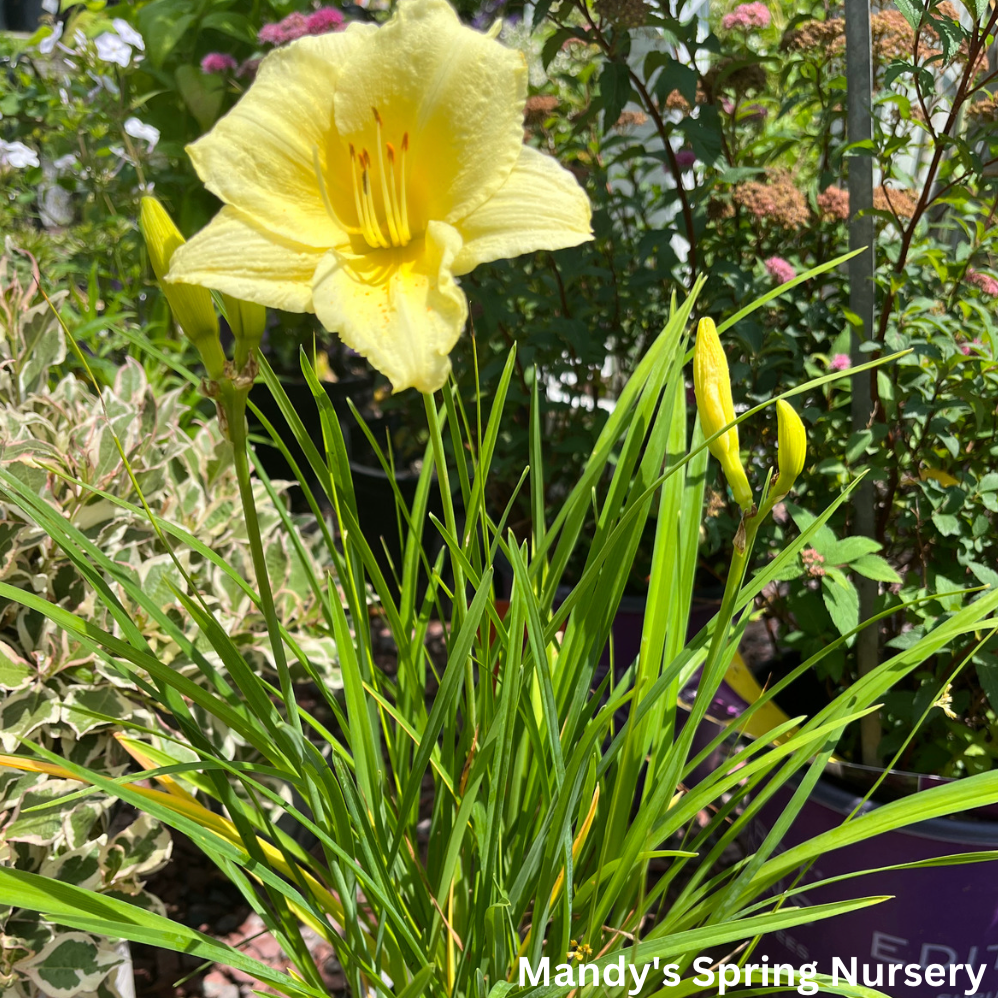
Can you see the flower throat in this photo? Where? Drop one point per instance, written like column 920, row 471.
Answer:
column 392, row 189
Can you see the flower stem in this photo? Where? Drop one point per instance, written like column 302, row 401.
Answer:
column 744, row 541
column 232, row 402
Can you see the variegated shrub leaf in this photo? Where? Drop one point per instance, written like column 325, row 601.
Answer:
column 72, row 963
column 145, row 845
column 81, row 867
column 53, row 691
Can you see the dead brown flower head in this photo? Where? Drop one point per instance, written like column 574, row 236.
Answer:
column 819, row 37
column 898, row 201
column 833, row 203
column 777, row 201
column 539, row 107
column 629, row 120
column 718, row 79
column 718, row 210
column 623, row 13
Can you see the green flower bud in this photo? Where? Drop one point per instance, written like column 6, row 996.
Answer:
column 247, row 321
column 192, row 306
column 712, row 384
column 793, row 448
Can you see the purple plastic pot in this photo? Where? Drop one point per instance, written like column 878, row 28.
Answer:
column 726, row 705
column 944, row 915
column 625, row 631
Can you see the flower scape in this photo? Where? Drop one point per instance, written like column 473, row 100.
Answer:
column 364, row 171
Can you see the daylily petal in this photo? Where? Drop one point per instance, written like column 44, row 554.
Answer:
column 541, row 206
column 401, row 308
column 456, row 92
column 235, row 255
column 261, row 156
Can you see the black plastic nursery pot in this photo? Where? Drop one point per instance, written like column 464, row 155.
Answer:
column 945, row 916
column 300, row 395
column 20, row 15
column 378, row 516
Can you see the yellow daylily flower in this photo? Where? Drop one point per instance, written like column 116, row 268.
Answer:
column 365, row 170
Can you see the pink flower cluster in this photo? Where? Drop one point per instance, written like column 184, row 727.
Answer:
column 779, row 269
column 218, row 62
column 297, row 25
column 323, row 20
column 841, row 362
column 747, row 16
column 983, row 281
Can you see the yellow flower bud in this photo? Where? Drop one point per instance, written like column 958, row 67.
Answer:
column 793, row 448
column 191, row 306
column 712, row 384
column 247, row 321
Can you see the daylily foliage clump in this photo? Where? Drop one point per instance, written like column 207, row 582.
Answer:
column 443, row 819
column 365, row 171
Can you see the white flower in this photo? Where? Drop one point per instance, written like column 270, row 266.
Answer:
column 110, row 48
column 17, row 155
column 50, row 6
column 128, row 34
column 103, row 83
column 67, row 163
column 47, row 44
column 55, row 207
column 140, row 130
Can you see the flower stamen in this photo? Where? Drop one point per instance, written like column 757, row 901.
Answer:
column 363, row 199
column 369, row 206
column 403, row 211
column 392, row 193
column 387, row 200
column 324, row 193
column 361, row 217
